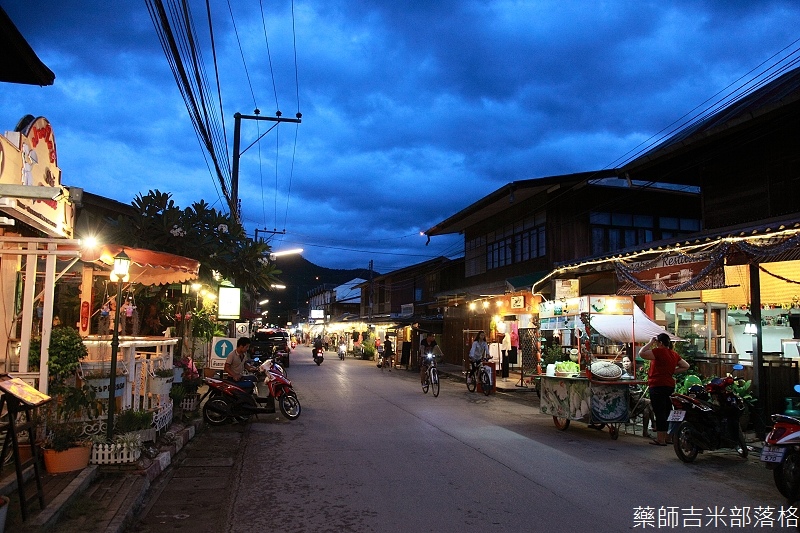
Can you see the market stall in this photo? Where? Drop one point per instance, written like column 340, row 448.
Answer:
column 597, row 332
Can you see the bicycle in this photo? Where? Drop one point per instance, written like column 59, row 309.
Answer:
column 483, row 376
column 431, row 376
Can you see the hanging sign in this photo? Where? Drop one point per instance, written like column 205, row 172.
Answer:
column 670, row 273
column 28, row 158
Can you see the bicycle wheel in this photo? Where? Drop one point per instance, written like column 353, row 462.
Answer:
column 486, row 383
column 435, row 382
column 426, row 382
column 472, row 383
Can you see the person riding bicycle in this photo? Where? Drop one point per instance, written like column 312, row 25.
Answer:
column 425, row 347
column 478, row 352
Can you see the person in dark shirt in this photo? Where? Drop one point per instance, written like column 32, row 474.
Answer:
column 426, row 346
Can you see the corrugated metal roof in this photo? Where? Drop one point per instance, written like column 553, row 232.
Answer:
column 757, row 101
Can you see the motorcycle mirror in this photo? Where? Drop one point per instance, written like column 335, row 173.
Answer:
column 738, row 367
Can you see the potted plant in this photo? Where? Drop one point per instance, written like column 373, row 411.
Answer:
column 66, row 448
column 133, row 421
column 177, row 393
column 161, row 381
column 64, row 355
column 123, row 448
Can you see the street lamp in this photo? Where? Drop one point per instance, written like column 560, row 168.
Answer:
column 120, row 274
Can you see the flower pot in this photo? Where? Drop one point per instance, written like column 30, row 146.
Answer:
column 100, row 386
column 159, row 385
column 75, row 458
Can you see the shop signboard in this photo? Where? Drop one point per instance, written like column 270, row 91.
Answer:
column 28, row 158
column 566, row 288
column 669, row 274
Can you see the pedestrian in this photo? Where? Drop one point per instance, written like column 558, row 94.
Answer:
column 237, row 363
column 664, row 363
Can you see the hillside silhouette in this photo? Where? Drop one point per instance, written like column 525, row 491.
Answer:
column 300, row 277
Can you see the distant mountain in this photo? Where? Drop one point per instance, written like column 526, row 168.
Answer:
column 301, row 276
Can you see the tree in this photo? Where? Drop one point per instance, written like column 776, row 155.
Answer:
column 199, row 232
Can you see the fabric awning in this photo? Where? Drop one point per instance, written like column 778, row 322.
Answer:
column 621, row 328
column 148, row 267
column 525, row 282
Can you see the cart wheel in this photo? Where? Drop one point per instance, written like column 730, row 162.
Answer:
column 598, row 427
column 614, row 432
column 561, row 423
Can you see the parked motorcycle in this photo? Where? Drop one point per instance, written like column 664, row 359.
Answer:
column 228, row 401
column 318, row 357
column 781, row 454
column 708, row 419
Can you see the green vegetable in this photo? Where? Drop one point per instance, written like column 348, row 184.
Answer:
column 567, row 366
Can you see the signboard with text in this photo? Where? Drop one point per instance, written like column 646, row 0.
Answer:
column 221, row 347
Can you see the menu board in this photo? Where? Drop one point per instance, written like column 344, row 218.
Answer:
column 21, row 390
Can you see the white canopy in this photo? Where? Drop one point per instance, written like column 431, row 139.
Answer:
column 622, row 328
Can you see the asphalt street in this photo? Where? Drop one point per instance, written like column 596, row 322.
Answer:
column 372, row 453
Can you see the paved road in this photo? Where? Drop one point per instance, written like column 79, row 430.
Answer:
column 372, row 453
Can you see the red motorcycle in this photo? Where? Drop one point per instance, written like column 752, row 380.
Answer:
column 781, row 454
column 229, row 401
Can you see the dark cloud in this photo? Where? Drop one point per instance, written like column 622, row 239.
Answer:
column 411, row 110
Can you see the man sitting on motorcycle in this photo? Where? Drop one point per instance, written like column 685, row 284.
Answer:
column 237, row 363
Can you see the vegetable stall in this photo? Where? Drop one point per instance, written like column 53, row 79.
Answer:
column 598, row 333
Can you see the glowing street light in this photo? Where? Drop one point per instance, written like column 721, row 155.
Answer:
column 122, row 264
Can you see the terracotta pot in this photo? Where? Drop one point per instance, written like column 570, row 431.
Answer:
column 76, row 458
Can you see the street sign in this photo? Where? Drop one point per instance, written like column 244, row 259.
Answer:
column 242, row 329
column 220, row 348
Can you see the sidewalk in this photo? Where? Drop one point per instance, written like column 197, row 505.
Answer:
column 98, row 498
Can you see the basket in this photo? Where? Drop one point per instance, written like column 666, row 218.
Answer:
column 604, row 370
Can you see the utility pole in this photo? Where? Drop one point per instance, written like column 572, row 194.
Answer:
column 237, row 128
column 265, row 230
column 371, row 289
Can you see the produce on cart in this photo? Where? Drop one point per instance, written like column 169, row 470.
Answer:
column 594, row 389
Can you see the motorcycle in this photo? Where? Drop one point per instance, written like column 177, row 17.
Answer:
column 342, row 351
column 708, row 419
column 781, row 454
column 228, row 401
column 318, row 357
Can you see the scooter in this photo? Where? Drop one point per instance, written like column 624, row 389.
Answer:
column 342, row 351
column 781, row 454
column 318, row 357
column 708, row 419
column 228, row 401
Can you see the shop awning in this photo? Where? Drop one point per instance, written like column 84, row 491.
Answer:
column 621, row 328
column 148, row 267
column 525, row 283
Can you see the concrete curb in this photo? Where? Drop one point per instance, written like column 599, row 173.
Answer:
column 48, row 516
